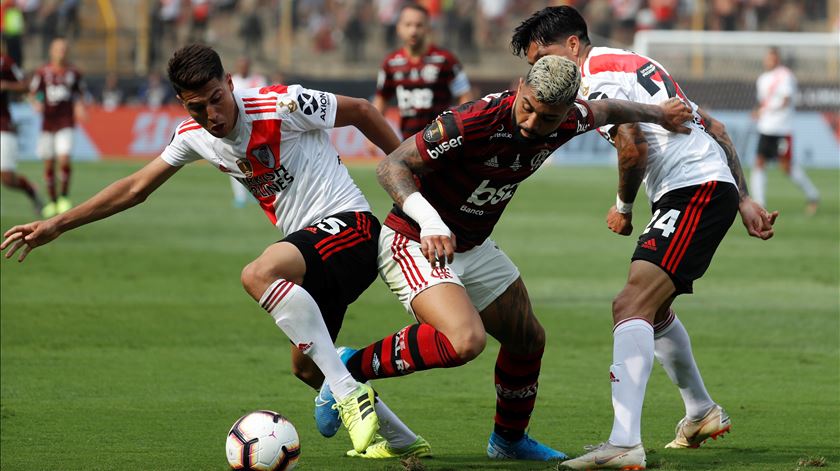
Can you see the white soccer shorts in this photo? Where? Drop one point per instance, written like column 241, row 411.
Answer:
column 484, row 271
column 8, row 151
column 52, row 144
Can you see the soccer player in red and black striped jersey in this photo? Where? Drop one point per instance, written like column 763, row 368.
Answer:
column 425, row 78
column 451, row 184
column 696, row 187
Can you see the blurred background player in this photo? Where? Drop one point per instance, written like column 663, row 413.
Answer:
column 57, row 88
column 691, row 183
column 776, row 92
column 425, row 78
column 244, row 79
column 11, row 81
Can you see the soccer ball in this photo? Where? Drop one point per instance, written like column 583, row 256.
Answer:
column 263, row 441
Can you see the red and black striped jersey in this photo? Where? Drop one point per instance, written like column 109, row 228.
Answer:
column 60, row 86
column 478, row 159
column 424, row 86
column 10, row 72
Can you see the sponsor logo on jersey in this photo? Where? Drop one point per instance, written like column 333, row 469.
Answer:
column 650, row 244
column 486, row 194
column 613, row 379
column 307, row 103
column 246, row 167
column 445, row 146
column 324, row 103
column 501, row 133
column 287, row 106
column 433, row 132
column 267, row 184
column 515, row 165
column 492, row 161
column 264, row 156
column 538, row 159
column 375, row 364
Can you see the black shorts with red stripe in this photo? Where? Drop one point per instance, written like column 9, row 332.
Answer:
column 775, row 147
column 340, row 253
column 687, row 226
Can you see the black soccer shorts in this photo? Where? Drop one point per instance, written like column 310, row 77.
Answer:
column 687, row 226
column 775, row 147
column 340, row 253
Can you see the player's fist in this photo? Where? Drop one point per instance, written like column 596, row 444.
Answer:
column 438, row 249
column 675, row 114
column 620, row 223
column 758, row 221
column 27, row 237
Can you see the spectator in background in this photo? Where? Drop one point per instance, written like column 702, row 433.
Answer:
column 251, row 32
column 354, row 32
column 776, row 89
column 200, row 15
column 388, row 11
column 112, row 95
column 164, row 32
column 492, row 14
column 68, row 18
column 244, row 79
column 154, row 93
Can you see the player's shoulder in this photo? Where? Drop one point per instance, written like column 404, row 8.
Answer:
column 273, row 99
column 608, row 60
column 187, row 128
column 396, row 58
column 439, row 55
column 497, row 105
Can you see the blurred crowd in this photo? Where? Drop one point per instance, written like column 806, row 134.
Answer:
column 360, row 31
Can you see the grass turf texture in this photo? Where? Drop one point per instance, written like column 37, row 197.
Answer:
column 130, row 344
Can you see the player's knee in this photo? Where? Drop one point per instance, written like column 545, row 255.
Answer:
column 470, row 344
column 254, row 279
column 7, row 178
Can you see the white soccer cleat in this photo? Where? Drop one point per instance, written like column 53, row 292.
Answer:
column 608, row 456
column 692, row 433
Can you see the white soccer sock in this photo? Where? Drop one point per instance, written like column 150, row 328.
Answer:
column 758, row 182
column 298, row 316
column 798, row 176
column 629, row 373
column 392, row 428
column 672, row 348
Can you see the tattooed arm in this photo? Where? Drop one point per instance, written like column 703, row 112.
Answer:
column 671, row 114
column 396, row 175
column 758, row 221
column 632, row 151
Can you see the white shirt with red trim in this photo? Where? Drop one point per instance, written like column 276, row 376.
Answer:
column 281, row 152
column 674, row 160
column 775, row 116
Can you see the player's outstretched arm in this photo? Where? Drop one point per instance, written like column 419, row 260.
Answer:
column 116, row 197
column 367, row 119
column 632, row 148
column 671, row 114
column 758, row 221
column 396, row 175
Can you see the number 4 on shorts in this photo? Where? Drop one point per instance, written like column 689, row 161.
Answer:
column 667, row 223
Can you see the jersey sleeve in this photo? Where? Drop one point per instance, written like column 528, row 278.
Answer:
column 179, row 153
column 315, row 110
column 16, row 73
column 442, row 140
column 460, row 84
column 37, row 82
column 384, row 83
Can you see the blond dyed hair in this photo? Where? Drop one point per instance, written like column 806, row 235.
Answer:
column 554, row 80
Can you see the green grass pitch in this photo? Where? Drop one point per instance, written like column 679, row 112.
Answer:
column 130, row 344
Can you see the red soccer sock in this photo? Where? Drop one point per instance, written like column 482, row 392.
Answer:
column 66, row 170
column 415, row 348
column 516, row 392
column 49, row 178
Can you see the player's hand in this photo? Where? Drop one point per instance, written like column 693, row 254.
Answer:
column 438, row 249
column 620, row 223
column 27, row 237
column 758, row 221
column 675, row 114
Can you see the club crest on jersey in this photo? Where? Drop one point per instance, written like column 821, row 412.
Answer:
column 538, row 159
column 307, row 103
column 433, row 132
column 264, row 156
column 287, row 106
column 430, row 73
column 246, row 168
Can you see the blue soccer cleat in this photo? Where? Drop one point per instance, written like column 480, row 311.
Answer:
column 326, row 418
column 526, row 448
